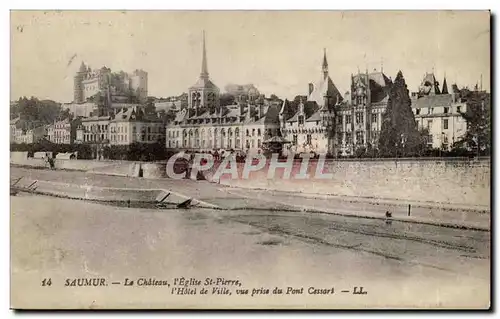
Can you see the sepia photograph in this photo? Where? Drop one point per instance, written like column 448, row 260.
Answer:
column 282, row 160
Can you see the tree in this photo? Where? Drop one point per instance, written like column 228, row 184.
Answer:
column 149, row 107
column 35, row 111
column 478, row 117
column 399, row 135
column 226, row 99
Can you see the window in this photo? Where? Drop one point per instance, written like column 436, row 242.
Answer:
column 359, row 118
column 429, row 124
column 446, row 109
column 418, row 123
column 348, row 119
column 339, row 138
column 374, row 117
column 431, row 110
column 458, row 109
column 301, row 120
column 295, row 140
column 258, row 132
column 445, row 124
column 309, row 139
column 253, row 132
column 360, row 138
column 248, row 132
column 348, row 137
column 417, row 111
column 258, row 143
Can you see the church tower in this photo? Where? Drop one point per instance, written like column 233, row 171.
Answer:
column 203, row 95
column 325, row 65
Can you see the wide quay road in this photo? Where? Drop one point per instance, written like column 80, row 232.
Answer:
column 399, row 264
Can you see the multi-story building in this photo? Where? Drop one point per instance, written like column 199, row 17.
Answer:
column 129, row 125
column 439, row 112
column 94, row 130
column 205, row 125
column 132, row 125
column 30, row 136
column 63, row 132
column 359, row 118
column 13, row 129
column 24, row 132
column 307, row 126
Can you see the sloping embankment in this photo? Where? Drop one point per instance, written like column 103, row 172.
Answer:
column 109, row 194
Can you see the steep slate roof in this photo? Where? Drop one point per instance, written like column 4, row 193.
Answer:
column 322, row 88
column 310, row 108
column 96, row 118
column 204, row 83
column 431, row 79
column 432, row 101
column 315, row 117
column 379, row 85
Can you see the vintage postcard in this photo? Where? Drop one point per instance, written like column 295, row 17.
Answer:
column 250, row 160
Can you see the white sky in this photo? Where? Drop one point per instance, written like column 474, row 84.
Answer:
column 279, row 51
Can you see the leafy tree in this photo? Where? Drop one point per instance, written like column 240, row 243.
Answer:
column 35, row 111
column 478, row 117
column 149, row 107
column 399, row 135
column 226, row 99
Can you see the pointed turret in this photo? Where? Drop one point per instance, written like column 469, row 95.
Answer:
column 204, row 68
column 325, row 64
column 83, row 68
column 445, row 87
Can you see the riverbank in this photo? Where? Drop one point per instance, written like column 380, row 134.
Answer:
column 105, row 187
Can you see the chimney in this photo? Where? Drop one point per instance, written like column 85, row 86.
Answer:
column 311, row 88
column 242, row 109
column 261, row 110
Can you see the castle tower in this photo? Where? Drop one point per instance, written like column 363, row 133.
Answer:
column 78, row 85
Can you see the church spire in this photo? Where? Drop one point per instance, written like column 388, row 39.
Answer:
column 444, row 89
column 204, row 69
column 325, row 64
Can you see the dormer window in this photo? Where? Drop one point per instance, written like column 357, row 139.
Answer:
column 301, row 119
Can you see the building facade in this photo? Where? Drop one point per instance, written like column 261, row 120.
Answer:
column 205, row 125
column 131, row 125
column 359, row 118
column 307, row 126
column 63, row 132
column 438, row 111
